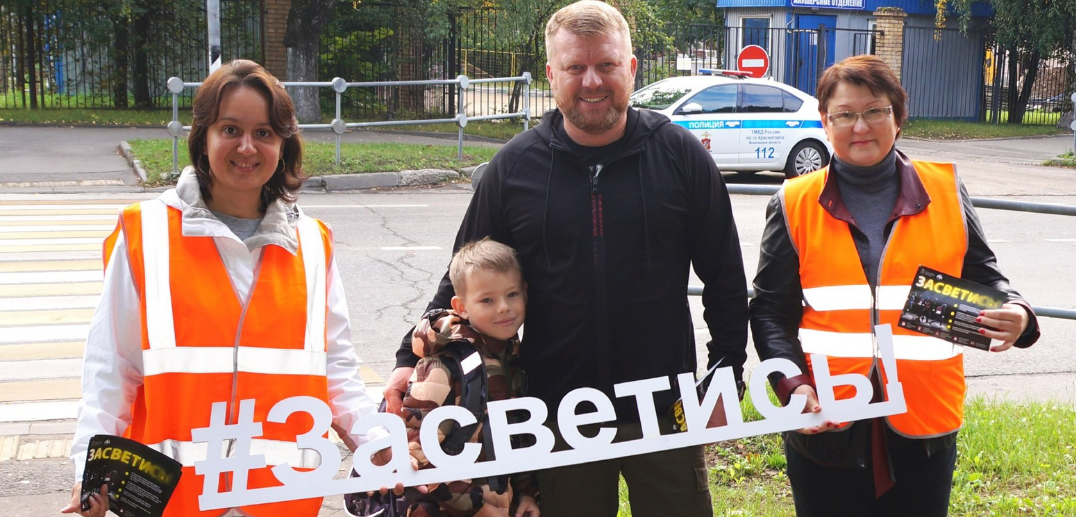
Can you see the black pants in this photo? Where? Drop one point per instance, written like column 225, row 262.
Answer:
column 923, row 483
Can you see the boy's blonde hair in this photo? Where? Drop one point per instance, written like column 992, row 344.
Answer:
column 483, row 255
column 587, row 19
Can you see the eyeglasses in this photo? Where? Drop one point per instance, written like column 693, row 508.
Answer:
column 849, row 118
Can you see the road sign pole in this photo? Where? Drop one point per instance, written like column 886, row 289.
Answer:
column 1072, row 125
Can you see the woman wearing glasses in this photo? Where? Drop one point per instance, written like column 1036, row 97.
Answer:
column 839, row 252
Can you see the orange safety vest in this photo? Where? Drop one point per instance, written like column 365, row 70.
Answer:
column 840, row 310
column 201, row 344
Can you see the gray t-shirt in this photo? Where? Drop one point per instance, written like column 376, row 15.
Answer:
column 242, row 228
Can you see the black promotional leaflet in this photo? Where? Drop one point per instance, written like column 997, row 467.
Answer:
column 946, row 307
column 140, row 480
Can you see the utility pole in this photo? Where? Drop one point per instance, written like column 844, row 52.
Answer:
column 212, row 8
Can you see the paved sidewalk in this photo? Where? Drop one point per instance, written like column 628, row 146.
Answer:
column 55, row 160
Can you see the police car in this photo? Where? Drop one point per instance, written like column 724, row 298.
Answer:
column 747, row 124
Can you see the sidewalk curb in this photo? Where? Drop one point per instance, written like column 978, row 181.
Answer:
column 373, row 180
column 136, row 164
column 345, row 182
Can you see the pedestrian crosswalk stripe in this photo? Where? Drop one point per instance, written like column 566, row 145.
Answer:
column 50, row 285
column 18, row 232
column 49, row 256
column 44, row 333
column 37, row 411
column 66, row 368
column 50, row 277
column 24, row 290
column 48, row 303
column 52, row 317
column 45, row 389
column 49, row 247
column 104, row 223
column 82, row 219
column 50, row 265
column 26, row 351
column 67, row 208
column 7, row 211
column 43, row 242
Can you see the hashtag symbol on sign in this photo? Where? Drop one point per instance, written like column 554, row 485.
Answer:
column 218, row 435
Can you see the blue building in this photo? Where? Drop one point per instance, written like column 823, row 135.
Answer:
column 942, row 70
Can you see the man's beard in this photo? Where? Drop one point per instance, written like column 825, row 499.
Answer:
column 599, row 125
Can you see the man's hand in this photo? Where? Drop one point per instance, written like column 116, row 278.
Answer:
column 813, row 407
column 395, row 388
column 1009, row 322
column 98, row 502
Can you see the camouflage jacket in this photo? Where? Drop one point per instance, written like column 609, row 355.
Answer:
column 432, row 386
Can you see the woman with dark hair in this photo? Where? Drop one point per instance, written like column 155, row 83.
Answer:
column 839, row 252
column 221, row 290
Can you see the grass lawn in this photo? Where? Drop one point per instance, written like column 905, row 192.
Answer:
column 503, row 129
column 319, row 157
column 957, row 130
column 1065, row 160
column 1014, row 459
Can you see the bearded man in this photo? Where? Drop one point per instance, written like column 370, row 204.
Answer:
column 608, row 208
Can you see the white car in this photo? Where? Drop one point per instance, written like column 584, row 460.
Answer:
column 748, row 125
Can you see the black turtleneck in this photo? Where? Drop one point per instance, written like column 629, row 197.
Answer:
column 870, row 194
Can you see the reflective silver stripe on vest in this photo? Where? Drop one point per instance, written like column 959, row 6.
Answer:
column 184, row 359
column 855, row 297
column 313, row 250
column 847, row 344
column 159, row 323
column 276, row 452
column 164, row 356
column 893, row 297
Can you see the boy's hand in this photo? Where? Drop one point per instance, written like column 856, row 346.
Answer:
column 382, row 458
column 98, row 502
column 528, row 507
column 395, row 388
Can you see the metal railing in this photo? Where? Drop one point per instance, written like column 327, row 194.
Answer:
column 339, row 126
column 996, row 204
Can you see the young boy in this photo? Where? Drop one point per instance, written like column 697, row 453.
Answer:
column 486, row 313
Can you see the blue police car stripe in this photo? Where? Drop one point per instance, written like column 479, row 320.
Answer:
column 709, row 124
column 749, row 124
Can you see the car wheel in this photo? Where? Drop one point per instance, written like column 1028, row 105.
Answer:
column 805, row 157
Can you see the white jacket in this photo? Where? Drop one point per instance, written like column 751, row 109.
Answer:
column 112, row 369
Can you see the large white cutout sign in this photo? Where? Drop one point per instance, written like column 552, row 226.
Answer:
column 320, row 482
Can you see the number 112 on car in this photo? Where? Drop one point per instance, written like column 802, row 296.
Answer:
column 764, row 153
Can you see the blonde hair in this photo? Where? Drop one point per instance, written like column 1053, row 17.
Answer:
column 587, row 19
column 483, row 255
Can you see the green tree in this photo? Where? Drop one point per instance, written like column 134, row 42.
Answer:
column 1031, row 31
column 689, row 11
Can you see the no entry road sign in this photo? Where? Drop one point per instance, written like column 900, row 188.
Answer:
column 753, row 59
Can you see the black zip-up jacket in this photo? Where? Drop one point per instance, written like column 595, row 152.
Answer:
column 606, row 258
